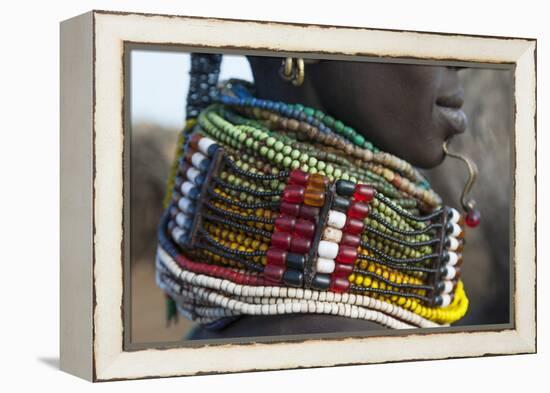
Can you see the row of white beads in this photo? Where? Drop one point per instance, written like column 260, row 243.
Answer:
column 203, row 281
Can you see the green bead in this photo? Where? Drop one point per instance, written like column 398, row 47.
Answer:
column 263, row 151
column 312, row 161
column 295, row 164
column 278, row 146
column 287, row 161
column 321, row 165
column 271, row 154
column 358, row 139
column 295, row 154
column 309, row 111
column 286, row 150
column 329, row 170
column 270, row 141
column 338, row 126
column 278, row 158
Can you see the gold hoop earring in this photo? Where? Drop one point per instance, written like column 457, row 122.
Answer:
column 293, row 70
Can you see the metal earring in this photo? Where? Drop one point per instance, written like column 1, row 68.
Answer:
column 468, row 204
column 293, row 70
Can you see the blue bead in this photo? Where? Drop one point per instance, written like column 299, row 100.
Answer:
column 270, row 105
column 323, row 128
column 212, row 150
column 253, row 102
column 296, row 113
column 309, row 119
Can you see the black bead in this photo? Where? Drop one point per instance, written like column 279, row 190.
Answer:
column 440, row 286
column 295, row 261
column 345, row 188
column 438, row 301
column 321, row 282
column 293, row 278
column 341, row 204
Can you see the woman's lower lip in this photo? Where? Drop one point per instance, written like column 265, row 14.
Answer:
column 455, row 117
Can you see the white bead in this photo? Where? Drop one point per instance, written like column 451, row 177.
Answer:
column 325, row 265
column 197, row 159
column 192, row 174
column 446, row 300
column 177, row 233
column 281, row 308
column 204, row 144
column 288, row 308
column 328, row 250
column 453, row 258
column 332, row 235
column 457, row 230
column 336, row 219
column 448, row 288
column 453, row 243
column 185, row 205
column 455, row 216
column 291, row 292
column 181, row 219
column 450, row 272
column 186, row 188
column 296, row 307
column 330, row 296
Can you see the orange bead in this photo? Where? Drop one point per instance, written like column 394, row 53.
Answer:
column 317, row 182
column 314, row 197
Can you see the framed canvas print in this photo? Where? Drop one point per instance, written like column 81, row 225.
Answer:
column 245, row 195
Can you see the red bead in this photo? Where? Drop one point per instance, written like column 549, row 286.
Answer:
column 473, row 218
column 363, row 193
column 342, row 270
column 358, row 210
column 293, row 193
column 281, row 240
column 346, row 254
column 285, row 224
column 300, row 245
column 290, row 209
column 304, row 228
column 276, row 256
column 353, row 226
column 309, row 212
column 194, row 141
column 298, row 177
column 350, row 240
column 339, row 284
column 274, row 273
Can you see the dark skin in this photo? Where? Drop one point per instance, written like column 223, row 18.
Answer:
column 406, row 110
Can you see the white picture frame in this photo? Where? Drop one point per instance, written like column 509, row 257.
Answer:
column 92, row 194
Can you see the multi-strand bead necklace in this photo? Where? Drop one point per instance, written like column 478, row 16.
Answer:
column 276, row 208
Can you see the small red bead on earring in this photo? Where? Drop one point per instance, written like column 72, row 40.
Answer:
column 473, row 218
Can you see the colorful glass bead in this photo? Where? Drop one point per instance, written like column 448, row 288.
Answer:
column 186, row 206
column 324, row 265
column 274, row 272
column 293, row 278
column 314, row 197
column 339, row 284
column 327, row 250
column 189, row 190
column 294, row 193
column 349, row 239
column 342, row 270
column 281, row 240
column 300, row 245
column 345, row 188
column 346, row 254
column 309, row 212
column 473, row 218
column 200, row 161
column 336, row 219
column 304, row 228
column 340, row 204
column 276, row 256
column 207, row 146
column 353, row 226
column 295, row 261
column 321, row 282
column 363, row 193
column 318, row 182
column 358, row 210
column 285, row 224
column 194, row 141
column 290, row 209
column 298, row 177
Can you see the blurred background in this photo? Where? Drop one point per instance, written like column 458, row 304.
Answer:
column 159, row 81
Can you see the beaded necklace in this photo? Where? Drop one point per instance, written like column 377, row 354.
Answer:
column 276, row 208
